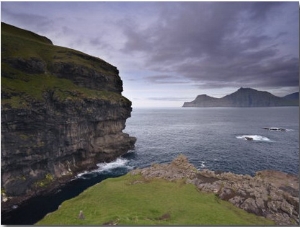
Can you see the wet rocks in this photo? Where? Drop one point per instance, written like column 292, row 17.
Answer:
column 275, row 129
column 269, row 193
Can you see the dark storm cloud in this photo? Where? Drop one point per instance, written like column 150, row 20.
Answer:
column 181, row 45
column 182, row 30
column 259, row 10
column 220, row 44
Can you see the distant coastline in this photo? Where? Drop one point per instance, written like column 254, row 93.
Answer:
column 245, row 97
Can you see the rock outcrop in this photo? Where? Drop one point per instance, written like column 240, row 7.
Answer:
column 245, row 97
column 272, row 194
column 62, row 112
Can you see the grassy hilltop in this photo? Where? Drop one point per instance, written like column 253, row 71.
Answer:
column 29, row 69
column 134, row 200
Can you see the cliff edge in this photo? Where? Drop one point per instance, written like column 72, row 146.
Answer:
column 62, row 112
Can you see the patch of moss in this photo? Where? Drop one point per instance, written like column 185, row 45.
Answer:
column 26, row 136
column 44, row 182
column 3, row 191
column 23, row 178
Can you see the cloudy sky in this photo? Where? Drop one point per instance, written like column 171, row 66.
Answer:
column 170, row 52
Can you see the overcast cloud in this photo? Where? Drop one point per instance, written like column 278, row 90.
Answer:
column 169, row 52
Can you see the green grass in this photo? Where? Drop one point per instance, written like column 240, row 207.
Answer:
column 6, row 28
column 20, row 89
column 130, row 200
column 18, row 43
column 32, row 87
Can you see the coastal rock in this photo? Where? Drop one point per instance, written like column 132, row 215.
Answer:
column 237, row 200
column 62, row 113
column 269, row 193
column 179, row 168
column 250, row 205
column 275, row 129
column 226, row 193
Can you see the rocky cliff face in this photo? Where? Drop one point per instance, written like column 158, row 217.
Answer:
column 62, row 112
column 272, row 194
column 245, row 97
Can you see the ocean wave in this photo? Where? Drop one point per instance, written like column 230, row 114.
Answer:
column 254, row 137
column 203, row 164
column 118, row 163
column 200, row 165
column 106, row 168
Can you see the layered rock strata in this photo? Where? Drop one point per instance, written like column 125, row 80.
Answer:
column 272, row 194
column 62, row 112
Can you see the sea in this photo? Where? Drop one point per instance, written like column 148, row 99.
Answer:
column 239, row 140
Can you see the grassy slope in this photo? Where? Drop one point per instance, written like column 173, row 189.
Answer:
column 130, row 200
column 24, row 87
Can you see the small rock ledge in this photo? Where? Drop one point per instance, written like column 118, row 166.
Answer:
column 269, row 193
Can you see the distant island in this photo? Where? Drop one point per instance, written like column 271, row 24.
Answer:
column 245, row 97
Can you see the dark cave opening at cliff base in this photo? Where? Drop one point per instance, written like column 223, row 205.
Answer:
column 36, row 208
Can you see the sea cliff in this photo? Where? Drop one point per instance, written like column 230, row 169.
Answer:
column 62, row 112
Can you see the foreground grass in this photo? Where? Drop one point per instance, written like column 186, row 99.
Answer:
column 131, row 200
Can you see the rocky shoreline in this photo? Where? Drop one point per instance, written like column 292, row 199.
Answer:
column 271, row 194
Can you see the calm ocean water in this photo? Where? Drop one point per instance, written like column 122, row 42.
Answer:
column 212, row 138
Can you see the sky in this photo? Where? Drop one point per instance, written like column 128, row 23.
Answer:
column 167, row 53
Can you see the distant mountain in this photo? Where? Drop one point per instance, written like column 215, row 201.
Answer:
column 245, row 97
column 294, row 96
